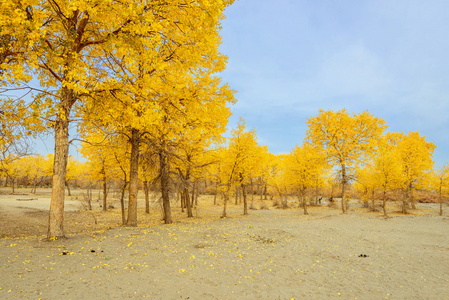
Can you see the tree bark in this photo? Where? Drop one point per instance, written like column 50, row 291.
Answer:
column 225, row 201
column 384, row 203
column 105, row 192
column 412, row 198
column 165, row 178
column 187, row 202
column 56, row 214
column 122, row 201
column 245, row 204
column 193, row 195
column 304, row 204
column 343, row 189
column 69, row 193
column 133, row 178
column 147, row 196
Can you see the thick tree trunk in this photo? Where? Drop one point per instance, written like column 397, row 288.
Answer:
column 56, row 215
column 133, row 178
column 165, row 178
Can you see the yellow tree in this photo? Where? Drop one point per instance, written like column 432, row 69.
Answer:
column 74, row 170
column 347, row 139
column 108, row 159
column 415, row 156
column 279, row 179
column 242, row 157
column 305, row 166
column 365, row 183
column 37, row 168
column 440, row 182
column 387, row 166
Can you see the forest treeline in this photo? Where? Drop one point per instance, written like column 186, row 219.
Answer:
column 139, row 82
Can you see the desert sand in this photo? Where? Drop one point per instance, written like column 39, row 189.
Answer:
column 269, row 254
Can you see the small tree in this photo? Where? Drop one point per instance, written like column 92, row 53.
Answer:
column 440, row 182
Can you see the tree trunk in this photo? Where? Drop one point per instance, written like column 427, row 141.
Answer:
column 412, row 198
column 122, row 201
column 165, row 178
column 343, row 188
column 69, row 193
column 197, row 191
column 225, row 200
column 56, row 215
column 245, row 204
column 133, row 178
column 105, row 192
column 304, row 204
column 13, row 180
column 183, row 201
column 187, row 202
column 193, row 195
column 441, row 201
column 147, row 196
column 265, row 192
column 34, row 185
column 216, row 192
column 404, row 202
column 384, row 203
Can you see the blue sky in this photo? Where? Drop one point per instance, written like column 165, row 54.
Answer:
column 290, row 58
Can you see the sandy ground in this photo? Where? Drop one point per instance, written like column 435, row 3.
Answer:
column 270, row 254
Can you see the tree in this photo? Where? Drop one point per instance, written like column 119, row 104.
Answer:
column 440, row 183
column 347, row 139
column 415, row 156
column 279, row 180
column 305, row 166
column 387, row 166
column 366, row 184
column 241, row 159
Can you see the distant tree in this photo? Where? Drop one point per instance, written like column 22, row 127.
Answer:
column 305, row 166
column 415, row 156
column 347, row 139
column 440, row 182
